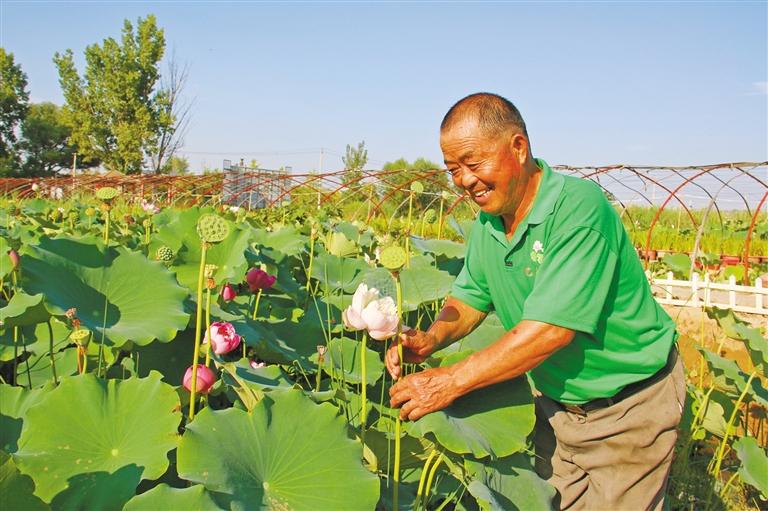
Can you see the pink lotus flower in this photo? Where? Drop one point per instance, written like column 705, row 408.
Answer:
column 222, row 337
column 259, row 279
column 205, row 379
column 14, row 256
column 228, row 293
column 149, row 207
column 257, row 365
column 369, row 311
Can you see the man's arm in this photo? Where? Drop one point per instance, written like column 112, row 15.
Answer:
column 455, row 320
column 517, row 351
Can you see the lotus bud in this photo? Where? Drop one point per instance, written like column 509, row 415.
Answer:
column 205, row 379
column 71, row 313
column 15, row 259
column 321, row 350
column 259, row 279
column 222, row 337
column 228, row 293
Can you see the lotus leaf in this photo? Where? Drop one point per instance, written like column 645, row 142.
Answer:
column 16, row 489
column 754, row 463
column 266, row 459
column 508, row 484
column 163, row 496
column 88, row 425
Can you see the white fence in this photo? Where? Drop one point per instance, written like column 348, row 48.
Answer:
column 697, row 292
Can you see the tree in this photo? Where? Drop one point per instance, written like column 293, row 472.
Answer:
column 14, row 99
column 45, row 142
column 114, row 111
column 176, row 165
column 354, row 162
column 422, row 170
column 174, row 115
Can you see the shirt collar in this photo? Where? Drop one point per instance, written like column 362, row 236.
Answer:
column 543, row 205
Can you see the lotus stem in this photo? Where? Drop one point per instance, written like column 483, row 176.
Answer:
column 256, row 305
column 423, row 478
column 198, row 327
column 311, row 258
column 408, row 233
column 729, row 427
column 16, row 354
column 440, row 220
column 432, row 472
column 106, row 227
column 208, row 328
column 53, row 360
column 396, row 474
column 364, row 390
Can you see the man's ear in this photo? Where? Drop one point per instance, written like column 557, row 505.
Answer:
column 518, row 144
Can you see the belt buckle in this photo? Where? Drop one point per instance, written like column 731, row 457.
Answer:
column 575, row 409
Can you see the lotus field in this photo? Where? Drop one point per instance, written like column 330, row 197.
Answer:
column 218, row 358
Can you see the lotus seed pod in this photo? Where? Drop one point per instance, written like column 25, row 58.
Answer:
column 147, row 223
column 73, row 216
column 393, row 258
column 55, row 215
column 417, row 187
column 212, row 228
column 81, row 337
column 164, row 254
column 90, row 211
column 107, row 193
column 430, row 216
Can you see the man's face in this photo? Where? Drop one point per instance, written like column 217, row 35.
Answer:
column 488, row 169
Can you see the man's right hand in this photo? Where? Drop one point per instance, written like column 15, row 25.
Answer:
column 417, row 346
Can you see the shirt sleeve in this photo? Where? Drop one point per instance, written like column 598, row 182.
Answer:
column 573, row 282
column 471, row 286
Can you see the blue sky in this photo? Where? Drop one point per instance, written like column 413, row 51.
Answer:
column 598, row 83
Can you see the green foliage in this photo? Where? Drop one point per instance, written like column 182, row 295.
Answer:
column 45, row 142
column 114, row 109
column 176, row 166
column 354, row 161
column 396, row 178
column 14, row 99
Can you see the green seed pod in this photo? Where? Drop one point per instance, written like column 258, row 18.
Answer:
column 417, row 187
column 212, row 228
column 107, row 193
column 73, row 215
column 90, row 211
column 430, row 216
column 147, row 223
column 393, row 258
column 81, row 337
column 164, row 254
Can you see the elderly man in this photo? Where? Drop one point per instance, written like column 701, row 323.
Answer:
column 551, row 257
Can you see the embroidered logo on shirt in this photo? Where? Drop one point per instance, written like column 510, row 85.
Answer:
column 537, row 254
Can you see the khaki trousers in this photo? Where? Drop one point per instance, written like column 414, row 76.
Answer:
column 615, row 458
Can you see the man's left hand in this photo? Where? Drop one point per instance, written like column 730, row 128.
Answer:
column 424, row 392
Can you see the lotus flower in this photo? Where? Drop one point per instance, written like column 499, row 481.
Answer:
column 14, row 257
column 259, row 279
column 369, row 311
column 228, row 293
column 149, row 207
column 205, row 379
column 222, row 337
column 257, row 365
column 35, row 187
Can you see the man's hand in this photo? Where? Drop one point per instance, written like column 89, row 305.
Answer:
column 417, row 346
column 424, row 392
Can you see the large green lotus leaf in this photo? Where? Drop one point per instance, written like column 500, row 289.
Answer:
column 40, row 370
column 162, row 496
column 423, row 285
column 136, row 299
column 729, row 377
column 737, row 328
column 489, row 331
column 14, row 403
column 181, row 236
column 445, row 248
column 679, row 264
column 754, row 463
column 16, row 489
column 508, row 484
column 99, row 490
column 171, row 359
column 351, row 231
column 89, row 425
column 492, row 421
column 24, row 310
column 343, row 357
column 335, row 272
column 260, row 378
column 5, row 261
column 336, row 243
column 287, row 241
column 717, row 411
column 269, row 459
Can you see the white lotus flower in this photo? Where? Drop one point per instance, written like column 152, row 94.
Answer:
column 381, row 318
column 352, row 315
column 35, row 187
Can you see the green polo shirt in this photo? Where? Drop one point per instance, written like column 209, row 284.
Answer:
column 570, row 263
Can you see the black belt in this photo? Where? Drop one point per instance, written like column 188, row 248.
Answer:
column 627, row 391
